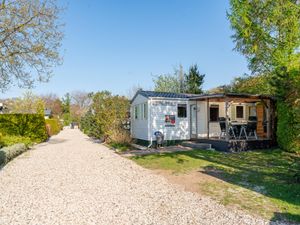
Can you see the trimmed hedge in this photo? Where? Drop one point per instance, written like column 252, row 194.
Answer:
column 32, row 126
column 9, row 153
column 6, row 141
column 53, row 126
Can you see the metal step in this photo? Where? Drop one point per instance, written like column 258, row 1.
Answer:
column 197, row 145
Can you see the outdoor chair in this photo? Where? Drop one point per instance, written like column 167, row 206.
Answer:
column 222, row 122
column 249, row 130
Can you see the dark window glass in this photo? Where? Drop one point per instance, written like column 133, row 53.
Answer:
column 240, row 112
column 181, row 109
column 214, row 113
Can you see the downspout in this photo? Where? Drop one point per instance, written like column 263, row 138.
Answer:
column 150, row 121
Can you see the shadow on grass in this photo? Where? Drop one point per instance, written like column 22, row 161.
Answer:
column 282, row 217
column 267, row 172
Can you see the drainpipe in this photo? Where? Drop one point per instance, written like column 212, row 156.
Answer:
column 150, row 121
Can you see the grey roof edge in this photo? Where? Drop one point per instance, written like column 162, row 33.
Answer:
column 154, row 94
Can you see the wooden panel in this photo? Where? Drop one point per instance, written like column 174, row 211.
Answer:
column 260, row 119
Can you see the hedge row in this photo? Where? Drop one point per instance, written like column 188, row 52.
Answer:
column 8, row 153
column 32, row 126
column 53, row 126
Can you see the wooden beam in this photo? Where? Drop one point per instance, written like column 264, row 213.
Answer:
column 227, row 118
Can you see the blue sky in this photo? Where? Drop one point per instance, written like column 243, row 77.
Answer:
column 116, row 44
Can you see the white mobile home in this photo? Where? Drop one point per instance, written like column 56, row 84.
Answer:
column 185, row 116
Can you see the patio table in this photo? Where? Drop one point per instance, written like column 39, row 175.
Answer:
column 237, row 126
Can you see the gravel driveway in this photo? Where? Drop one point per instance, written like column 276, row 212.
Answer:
column 71, row 180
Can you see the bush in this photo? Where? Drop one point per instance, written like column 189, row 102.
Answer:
column 8, row 153
column 12, row 140
column 32, row 126
column 120, row 136
column 53, row 126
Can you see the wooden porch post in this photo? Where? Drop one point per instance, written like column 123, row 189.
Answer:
column 208, row 116
column 268, row 119
column 227, row 118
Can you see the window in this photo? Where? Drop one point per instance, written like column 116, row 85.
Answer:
column 181, row 110
column 136, row 112
column 214, row 113
column 145, row 111
column 240, row 112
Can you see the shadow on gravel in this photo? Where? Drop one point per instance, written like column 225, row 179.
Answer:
column 56, row 141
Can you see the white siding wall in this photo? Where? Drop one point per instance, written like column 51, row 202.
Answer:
column 139, row 127
column 214, row 127
column 158, row 110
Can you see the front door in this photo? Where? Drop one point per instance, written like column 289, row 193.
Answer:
column 193, row 122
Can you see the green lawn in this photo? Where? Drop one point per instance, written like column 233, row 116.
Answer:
column 260, row 182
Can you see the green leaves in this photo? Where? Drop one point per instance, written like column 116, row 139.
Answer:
column 267, row 32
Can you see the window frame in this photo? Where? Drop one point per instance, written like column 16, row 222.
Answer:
column 218, row 113
column 145, row 111
column 182, row 105
column 136, row 112
column 236, row 111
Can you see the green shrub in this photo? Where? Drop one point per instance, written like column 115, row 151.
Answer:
column 32, row 126
column 12, row 140
column 8, row 153
column 53, row 126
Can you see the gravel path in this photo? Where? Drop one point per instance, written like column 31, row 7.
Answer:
column 71, row 180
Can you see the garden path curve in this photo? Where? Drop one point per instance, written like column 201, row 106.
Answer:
column 71, row 180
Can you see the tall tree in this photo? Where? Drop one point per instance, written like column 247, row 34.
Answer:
column 53, row 102
column 267, row 32
column 167, row 83
column 194, row 81
column 66, row 108
column 28, row 103
column 30, row 38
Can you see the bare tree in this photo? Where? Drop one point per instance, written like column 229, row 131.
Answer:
column 82, row 99
column 30, row 38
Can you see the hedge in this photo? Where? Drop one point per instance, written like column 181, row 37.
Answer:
column 25, row 125
column 8, row 153
column 53, row 126
column 6, row 141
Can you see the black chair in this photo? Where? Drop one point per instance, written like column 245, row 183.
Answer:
column 222, row 122
column 249, row 130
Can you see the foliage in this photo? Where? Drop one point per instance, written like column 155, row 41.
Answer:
column 120, row 136
column 53, row 126
column 264, row 176
column 105, row 118
column 119, row 146
column 167, row 83
column 66, row 109
column 249, row 84
column 268, row 34
column 9, row 153
column 194, row 80
column 30, row 38
column 9, row 140
column 88, row 125
column 110, row 112
column 179, row 82
column 53, row 103
column 28, row 103
column 25, row 125
column 80, row 104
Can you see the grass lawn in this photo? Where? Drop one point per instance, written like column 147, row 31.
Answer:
column 260, row 182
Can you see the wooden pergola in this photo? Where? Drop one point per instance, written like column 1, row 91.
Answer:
column 264, row 101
